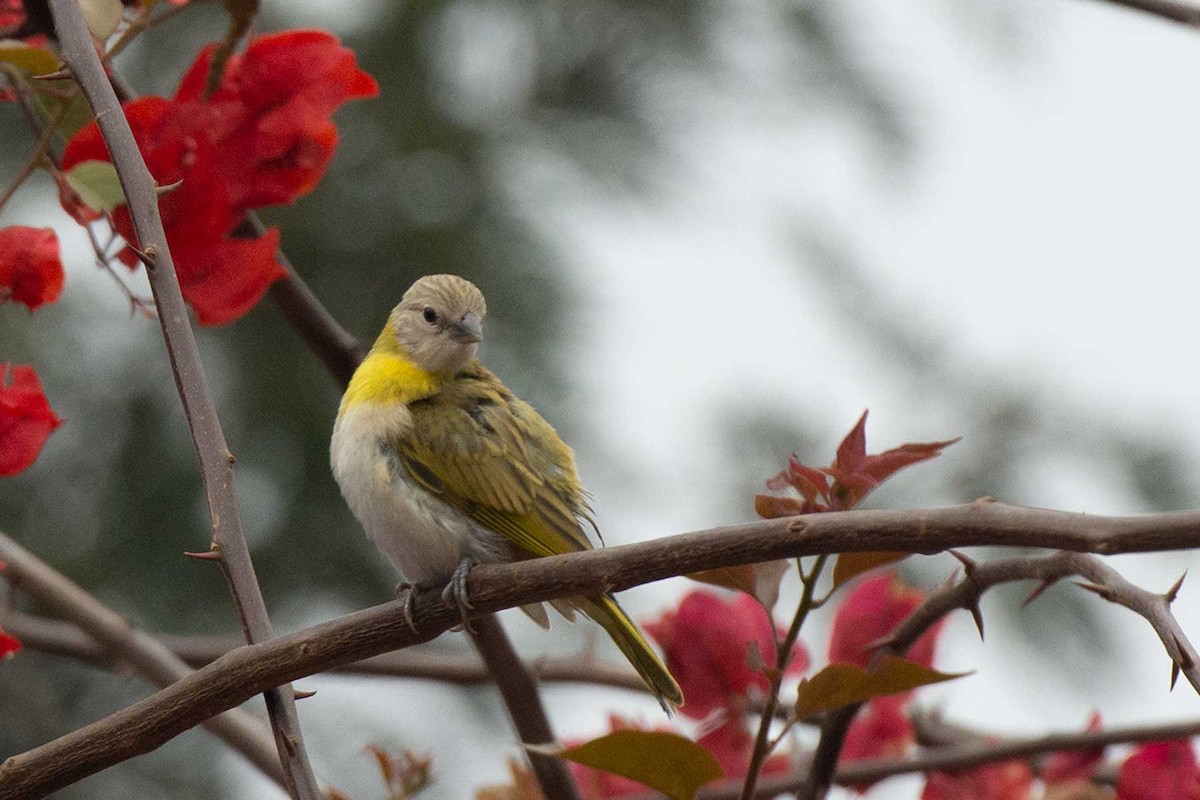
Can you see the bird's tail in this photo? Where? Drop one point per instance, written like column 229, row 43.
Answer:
column 605, row 611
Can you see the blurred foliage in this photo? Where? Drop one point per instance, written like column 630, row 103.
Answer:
column 440, row 174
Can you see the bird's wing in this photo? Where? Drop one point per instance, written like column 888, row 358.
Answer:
column 494, row 458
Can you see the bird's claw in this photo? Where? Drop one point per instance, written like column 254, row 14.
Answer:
column 455, row 594
column 406, row 594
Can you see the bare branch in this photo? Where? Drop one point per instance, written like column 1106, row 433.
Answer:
column 53, row 637
column 79, row 53
column 111, row 635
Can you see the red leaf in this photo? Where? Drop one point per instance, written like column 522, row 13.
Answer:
column 31, row 270
column 706, row 640
column 25, row 418
column 871, row 612
column 1160, row 771
column 1004, row 780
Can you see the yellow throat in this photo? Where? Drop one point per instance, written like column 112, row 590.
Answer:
column 388, row 375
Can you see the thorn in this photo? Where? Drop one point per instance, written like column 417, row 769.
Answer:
column 1092, row 587
column 950, row 579
column 977, row 615
column 986, row 500
column 208, row 555
column 166, row 189
column 147, row 256
column 1185, row 659
column 1037, row 592
column 62, row 73
column 1173, row 592
column 969, row 564
column 231, row 458
column 1174, row 674
column 301, row 694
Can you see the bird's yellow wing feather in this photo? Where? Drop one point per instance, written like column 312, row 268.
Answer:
column 494, row 458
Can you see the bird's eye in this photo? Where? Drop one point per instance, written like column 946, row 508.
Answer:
column 430, row 315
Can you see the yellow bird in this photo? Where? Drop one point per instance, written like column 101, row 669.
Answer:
column 445, row 468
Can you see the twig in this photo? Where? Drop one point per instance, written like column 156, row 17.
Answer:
column 1104, row 580
column 1184, row 13
column 524, row 705
column 112, row 635
column 57, row 638
column 762, row 743
column 215, row 459
column 39, row 154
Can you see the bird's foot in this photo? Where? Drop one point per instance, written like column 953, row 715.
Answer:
column 455, row 594
column 406, row 594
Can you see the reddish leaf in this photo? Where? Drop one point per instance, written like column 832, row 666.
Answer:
column 31, row 270
column 760, row 581
column 851, row 565
column 667, row 762
column 705, row 642
column 1160, row 771
column 1073, row 765
column 26, row 420
column 840, row 685
column 769, row 506
column 1004, row 780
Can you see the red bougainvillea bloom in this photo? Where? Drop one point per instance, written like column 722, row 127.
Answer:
column 870, row 613
column 221, row 277
column 8, row 644
column 264, row 137
column 25, row 418
column 1069, row 766
column 731, row 744
column 706, row 641
column 1160, row 771
column 596, row 784
column 882, row 730
column 270, row 112
column 1005, row 780
column 31, row 270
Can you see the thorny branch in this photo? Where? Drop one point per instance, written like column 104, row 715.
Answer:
column 111, row 635
column 965, row 594
column 239, row 675
column 216, row 461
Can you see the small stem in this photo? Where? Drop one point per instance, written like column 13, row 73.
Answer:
column 762, row 744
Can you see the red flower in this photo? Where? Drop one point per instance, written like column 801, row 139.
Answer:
column 264, row 137
column 731, row 744
column 706, row 642
column 8, row 644
column 1004, row 780
column 221, row 277
column 31, row 270
column 270, row 112
column 870, row 613
column 1069, row 766
column 25, row 418
column 596, row 784
column 1160, row 771
column 882, row 730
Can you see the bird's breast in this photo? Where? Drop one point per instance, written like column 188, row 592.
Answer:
column 422, row 535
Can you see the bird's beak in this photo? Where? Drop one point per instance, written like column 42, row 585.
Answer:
column 469, row 329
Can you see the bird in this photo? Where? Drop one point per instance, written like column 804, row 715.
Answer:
column 445, row 468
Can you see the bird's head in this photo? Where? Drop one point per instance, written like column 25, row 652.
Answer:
column 439, row 323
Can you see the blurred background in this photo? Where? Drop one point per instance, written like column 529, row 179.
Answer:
column 710, row 234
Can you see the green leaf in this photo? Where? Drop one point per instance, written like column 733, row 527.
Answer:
column 666, row 762
column 851, row 565
column 840, row 685
column 97, row 184
column 32, row 60
column 102, row 16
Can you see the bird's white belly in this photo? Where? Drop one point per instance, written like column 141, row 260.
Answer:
column 423, row 536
